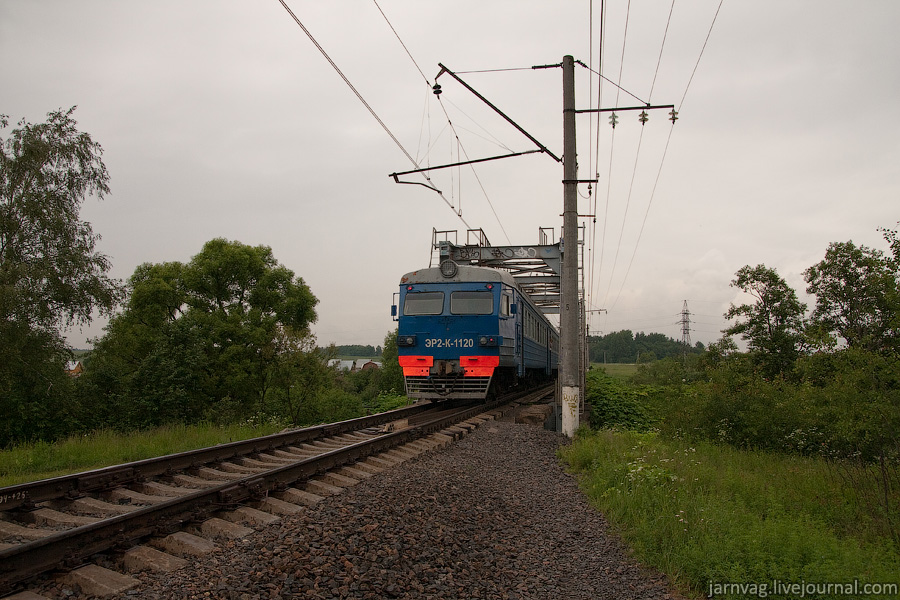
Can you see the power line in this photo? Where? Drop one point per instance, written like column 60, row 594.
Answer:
column 668, row 139
column 661, row 48
column 709, row 33
column 646, row 214
column 612, row 148
column 368, row 107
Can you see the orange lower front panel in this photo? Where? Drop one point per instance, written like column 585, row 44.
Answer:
column 415, row 366
column 479, row 366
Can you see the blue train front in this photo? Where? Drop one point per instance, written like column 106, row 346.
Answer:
column 466, row 332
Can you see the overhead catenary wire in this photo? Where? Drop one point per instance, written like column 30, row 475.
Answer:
column 478, row 179
column 490, row 135
column 595, row 162
column 426, row 120
column 459, row 145
column 368, row 107
column 460, row 150
column 590, row 246
column 397, row 35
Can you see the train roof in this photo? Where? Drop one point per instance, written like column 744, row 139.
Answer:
column 464, row 274
column 471, row 274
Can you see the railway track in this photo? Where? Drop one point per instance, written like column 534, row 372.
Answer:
column 59, row 524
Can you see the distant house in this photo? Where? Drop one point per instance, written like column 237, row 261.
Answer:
column 354, row 365
column 342, row 365
column 74, row 368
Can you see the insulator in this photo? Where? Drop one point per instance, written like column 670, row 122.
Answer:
column 613, row 119
column 437, row 89
column 643, row 117
column 673, row 115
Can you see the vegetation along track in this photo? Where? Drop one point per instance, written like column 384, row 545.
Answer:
column 59, row 523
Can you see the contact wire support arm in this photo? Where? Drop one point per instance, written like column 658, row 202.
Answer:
column 459, row 164
column 497, row 110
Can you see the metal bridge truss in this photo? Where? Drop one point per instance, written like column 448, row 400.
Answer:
column 535, row 268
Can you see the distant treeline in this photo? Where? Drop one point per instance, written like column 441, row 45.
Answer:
column 359, row 350
column 627, row 347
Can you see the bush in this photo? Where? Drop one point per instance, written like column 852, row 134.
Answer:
column 386, row 401
column 837, row 405
column 616, row 404
column 331, row 405
column 669, row 371
column 708, row 514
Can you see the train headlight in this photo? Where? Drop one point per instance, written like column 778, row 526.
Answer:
column 488, row 340
column 406, row 340
column 449, row 268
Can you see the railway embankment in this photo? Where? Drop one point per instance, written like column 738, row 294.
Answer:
column 493, row 515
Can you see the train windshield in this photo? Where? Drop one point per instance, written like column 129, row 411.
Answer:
column 424, row 303
column 471, row 303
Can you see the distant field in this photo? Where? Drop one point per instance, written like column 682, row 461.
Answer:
column 617, row 370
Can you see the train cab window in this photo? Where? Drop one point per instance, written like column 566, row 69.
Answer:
column 423, row 303
column 505, row 302
column 471, row 303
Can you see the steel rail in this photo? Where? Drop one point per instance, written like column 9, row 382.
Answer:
column 27, row 494
column 71, row 548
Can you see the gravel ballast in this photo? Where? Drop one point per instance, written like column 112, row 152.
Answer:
column 494, row 515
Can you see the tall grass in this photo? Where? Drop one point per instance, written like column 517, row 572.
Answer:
column 708, row 514
column 41, row 460
column 618, row 370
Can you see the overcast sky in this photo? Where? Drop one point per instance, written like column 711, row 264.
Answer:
column 220, row 118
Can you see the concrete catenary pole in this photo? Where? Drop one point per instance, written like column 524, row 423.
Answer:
column 569, row 307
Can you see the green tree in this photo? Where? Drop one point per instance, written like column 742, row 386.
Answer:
column 359, row 350
column 204, row 340
column 391, row 373
column 238, row 297
column 856, row 296
column 300, row 376
column 51, row 275
column 626, row 347
column 773, row 325
column 616, row 347
column 891, row 237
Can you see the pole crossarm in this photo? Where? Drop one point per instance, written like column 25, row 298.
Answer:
column 646, row 107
